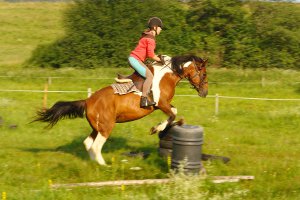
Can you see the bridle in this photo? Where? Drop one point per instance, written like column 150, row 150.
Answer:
column 190, row 78
column 197, row 73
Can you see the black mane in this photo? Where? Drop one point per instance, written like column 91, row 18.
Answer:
column 177, row 62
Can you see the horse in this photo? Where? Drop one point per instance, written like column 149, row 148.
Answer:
column 104, row 108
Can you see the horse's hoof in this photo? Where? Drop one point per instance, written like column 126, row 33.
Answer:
column 153, row 130
column 180, row 122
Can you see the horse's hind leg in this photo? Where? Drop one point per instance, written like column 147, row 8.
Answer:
column 88, row 142
column 96, row 148
column 95, row 141
column 93, row 144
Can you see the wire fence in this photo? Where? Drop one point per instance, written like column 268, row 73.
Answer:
column 217, row 97
column 263, row 81
column 89, row 92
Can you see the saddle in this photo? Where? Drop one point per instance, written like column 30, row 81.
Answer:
column 132, row 83
column 135, row 78
column 127, row 84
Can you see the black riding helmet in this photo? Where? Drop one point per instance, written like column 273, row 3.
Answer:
column 155, row 21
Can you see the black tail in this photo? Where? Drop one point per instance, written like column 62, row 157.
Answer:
column 61, row 110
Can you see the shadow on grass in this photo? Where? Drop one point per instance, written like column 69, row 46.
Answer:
column 114, row 144
column 77, row 148
column 154, row 158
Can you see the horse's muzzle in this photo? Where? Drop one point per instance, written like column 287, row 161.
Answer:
column 203, row 93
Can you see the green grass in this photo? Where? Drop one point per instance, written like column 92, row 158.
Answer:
column 25, row 25
column 261, row 137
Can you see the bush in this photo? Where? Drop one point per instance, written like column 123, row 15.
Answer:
column 102, row 33
column 231, row 33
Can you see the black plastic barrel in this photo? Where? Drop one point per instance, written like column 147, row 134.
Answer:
column 187, row 148
column 165, row 145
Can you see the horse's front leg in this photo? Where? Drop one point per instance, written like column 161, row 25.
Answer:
column 169, row 110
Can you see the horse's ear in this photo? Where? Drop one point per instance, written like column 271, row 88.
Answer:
column 204, row 63
column 180, row 70
column 194, row 62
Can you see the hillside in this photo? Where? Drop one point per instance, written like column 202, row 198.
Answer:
column 24, row 26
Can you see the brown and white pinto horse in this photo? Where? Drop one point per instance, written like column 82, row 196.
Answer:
column 104, row 108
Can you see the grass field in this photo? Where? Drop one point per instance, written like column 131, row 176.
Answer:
column 261, row 137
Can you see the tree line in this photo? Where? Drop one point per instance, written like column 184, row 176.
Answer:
column 230, row 33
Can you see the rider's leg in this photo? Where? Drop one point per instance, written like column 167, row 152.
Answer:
column 145, row 102
column 143, row 70
column 138, row 66
column 148, row 82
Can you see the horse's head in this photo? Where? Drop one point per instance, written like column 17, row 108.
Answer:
column 193, row 69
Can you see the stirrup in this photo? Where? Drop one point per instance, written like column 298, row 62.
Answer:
column 145, row 102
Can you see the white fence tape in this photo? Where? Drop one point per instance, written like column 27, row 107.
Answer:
column 50, row 91
column 244, row 98
column 263, row 81
column 56, row 77
column 179, row 95
column 217, row 97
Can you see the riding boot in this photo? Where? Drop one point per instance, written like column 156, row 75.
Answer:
column 145, row 102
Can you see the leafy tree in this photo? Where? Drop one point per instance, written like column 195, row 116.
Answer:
column 103, row 32
column 278, row 33
column 225, row 29
column 231, row 33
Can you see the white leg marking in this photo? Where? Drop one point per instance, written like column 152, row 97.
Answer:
column 174, row 110
column 161, row 126
column 95, row 150
column 88, row 142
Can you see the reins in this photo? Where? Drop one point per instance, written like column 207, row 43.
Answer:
column 181, row 76
column 173, row 70
column 188, row 78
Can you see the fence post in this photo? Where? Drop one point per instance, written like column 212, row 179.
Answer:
column 263, row 80
column 89, row 92
column 45, row 96
column 49, row 80
column 217, row 105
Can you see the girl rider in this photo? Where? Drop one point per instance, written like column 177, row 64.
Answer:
column 145, row 49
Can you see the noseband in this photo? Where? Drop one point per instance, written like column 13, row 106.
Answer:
column 197, row 73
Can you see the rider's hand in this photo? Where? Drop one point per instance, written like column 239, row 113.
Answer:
column 162, row 59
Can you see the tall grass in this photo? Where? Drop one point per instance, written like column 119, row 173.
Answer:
column 260, row 137
column 25, row 25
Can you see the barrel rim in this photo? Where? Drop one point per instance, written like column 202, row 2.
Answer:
column 187, row 139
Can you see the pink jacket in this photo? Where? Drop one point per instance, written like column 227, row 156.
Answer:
column 145, row 48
